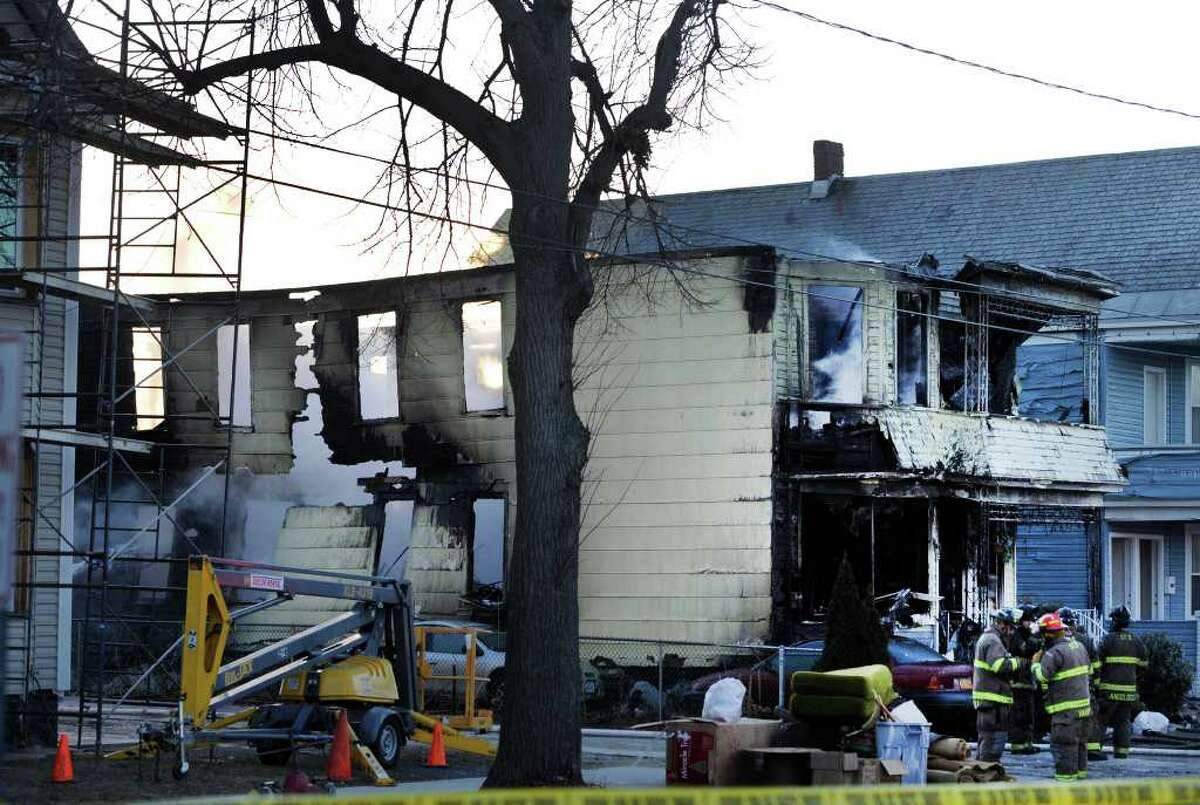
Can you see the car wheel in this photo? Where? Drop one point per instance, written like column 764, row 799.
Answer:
column 494, row 692
column 389, row 740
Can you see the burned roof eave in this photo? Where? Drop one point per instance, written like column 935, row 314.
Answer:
column 931, row 486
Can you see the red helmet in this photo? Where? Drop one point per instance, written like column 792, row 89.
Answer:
column 1050, row 622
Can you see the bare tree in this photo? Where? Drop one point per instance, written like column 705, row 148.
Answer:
column 565, row 118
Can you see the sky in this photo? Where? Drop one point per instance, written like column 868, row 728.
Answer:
column 894, row 111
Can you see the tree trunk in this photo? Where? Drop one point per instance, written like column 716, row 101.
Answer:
column 541, row 718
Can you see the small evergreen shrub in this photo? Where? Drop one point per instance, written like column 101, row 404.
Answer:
column 854, row 636
column 1167, row 679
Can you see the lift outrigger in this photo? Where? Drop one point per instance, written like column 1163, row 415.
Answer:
column 360, row 661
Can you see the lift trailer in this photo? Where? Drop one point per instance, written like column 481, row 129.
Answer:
column 360, row 661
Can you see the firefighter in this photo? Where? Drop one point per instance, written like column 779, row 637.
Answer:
column 1095, row 728
column 992, row 693
column 1023, row 724
column 1122, row 653
column 1062, row 669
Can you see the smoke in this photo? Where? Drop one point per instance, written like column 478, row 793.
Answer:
column 829, row 247
column 836, row 346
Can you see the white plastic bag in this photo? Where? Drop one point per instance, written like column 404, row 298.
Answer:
column 1150, row 720
column 723, row 701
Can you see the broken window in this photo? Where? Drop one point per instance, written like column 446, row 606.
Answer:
column 10, row 203
column 378, row 376
column 835, row 343
column 149, row 401
column 233, row 360
column 912, row 352
column 483, row 356
column 487, row 543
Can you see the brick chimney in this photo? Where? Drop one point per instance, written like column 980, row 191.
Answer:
column 828, row 160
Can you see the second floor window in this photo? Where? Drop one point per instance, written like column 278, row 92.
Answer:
column 912, row 348
column 835, row 343
column 378, row 375
column 10, row 204
column 1193, row 411
column 483, row 356
column 1154, row 405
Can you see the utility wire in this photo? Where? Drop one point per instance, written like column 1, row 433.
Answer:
column 568, row 248
column 1041, row 82
column 667, row 225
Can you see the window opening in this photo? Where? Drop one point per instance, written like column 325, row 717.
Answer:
column 1193, row 412
column 378, row 375
column 149, row 397
column 1136, row 578
column 1194, row 571
column 487, row 543
column 912, row 352
column 835, row 343
column 483, row 356
column 1154, row 406
column 239, row 417
column 10, row 203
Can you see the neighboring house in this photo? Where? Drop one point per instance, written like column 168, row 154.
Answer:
column 54, row 99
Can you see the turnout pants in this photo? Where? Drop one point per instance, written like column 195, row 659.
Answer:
column 1095, row 742
column 991, row 719
column 1022, row 721
column 1118, row 715
column 1068, row 742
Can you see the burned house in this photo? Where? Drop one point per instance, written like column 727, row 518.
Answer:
column 745, row 433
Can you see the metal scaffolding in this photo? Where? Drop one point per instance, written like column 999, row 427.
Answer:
column 83, row 399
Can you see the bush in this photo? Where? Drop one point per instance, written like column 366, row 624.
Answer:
column 1167, row 678
column 855, row 636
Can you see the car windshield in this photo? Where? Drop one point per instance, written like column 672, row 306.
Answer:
column 493, row 640
column 905, row 651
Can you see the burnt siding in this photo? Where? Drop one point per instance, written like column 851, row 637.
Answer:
column 1052, row 564
column 1051, row 382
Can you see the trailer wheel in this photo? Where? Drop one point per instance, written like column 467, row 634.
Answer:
column 389, row 740
column 273, row 753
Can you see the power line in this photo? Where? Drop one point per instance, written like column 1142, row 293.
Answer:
column 903, row 270
column 1100, row 96
column 563, row 246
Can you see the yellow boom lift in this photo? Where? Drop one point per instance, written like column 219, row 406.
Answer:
column 361, row 660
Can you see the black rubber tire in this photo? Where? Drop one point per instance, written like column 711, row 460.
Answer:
column 389, row 740
column 273, row 752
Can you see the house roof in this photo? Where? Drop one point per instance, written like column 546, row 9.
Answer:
column 1132, row 217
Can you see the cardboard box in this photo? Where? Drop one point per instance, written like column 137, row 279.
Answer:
column 701, row 752
column 881, row 772
column 792, row 766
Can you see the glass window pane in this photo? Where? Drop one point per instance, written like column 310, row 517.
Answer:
column 483, row 356
column 1120, row 571
column 1153, row 401
column 835, row 346
column 378, row 375
column 1194, row 400
column 912, row 333
column 10, row 199
column 1146, row 568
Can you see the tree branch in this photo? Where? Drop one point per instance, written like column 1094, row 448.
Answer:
column 491, row 134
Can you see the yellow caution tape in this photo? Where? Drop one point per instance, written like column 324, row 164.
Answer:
column 1091, row 792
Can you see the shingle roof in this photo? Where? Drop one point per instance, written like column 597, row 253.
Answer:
column 1133, row 217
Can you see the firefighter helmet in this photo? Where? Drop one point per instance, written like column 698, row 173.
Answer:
column 1120, row 616
column 1050, row 622
column 1009, row 615
column 1068, row 616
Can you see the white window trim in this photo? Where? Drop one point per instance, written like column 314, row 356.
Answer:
column 1159, row 371
column 1160, row 608
column 1188, row 400
column 1190, row 533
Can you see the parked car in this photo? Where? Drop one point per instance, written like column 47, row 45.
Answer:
column 447, row 656
column 939, row 687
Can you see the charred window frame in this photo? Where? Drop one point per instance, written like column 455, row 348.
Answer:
column 836, row 358
column 912, row 348
column 378, row 369
column 482, row 323
column 488, row 552
column 234, row 376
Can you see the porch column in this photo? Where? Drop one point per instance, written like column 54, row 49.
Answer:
column 934, row 547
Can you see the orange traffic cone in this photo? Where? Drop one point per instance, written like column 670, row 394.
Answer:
column 338, row 767
column 64, row 769
column 437, row 748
